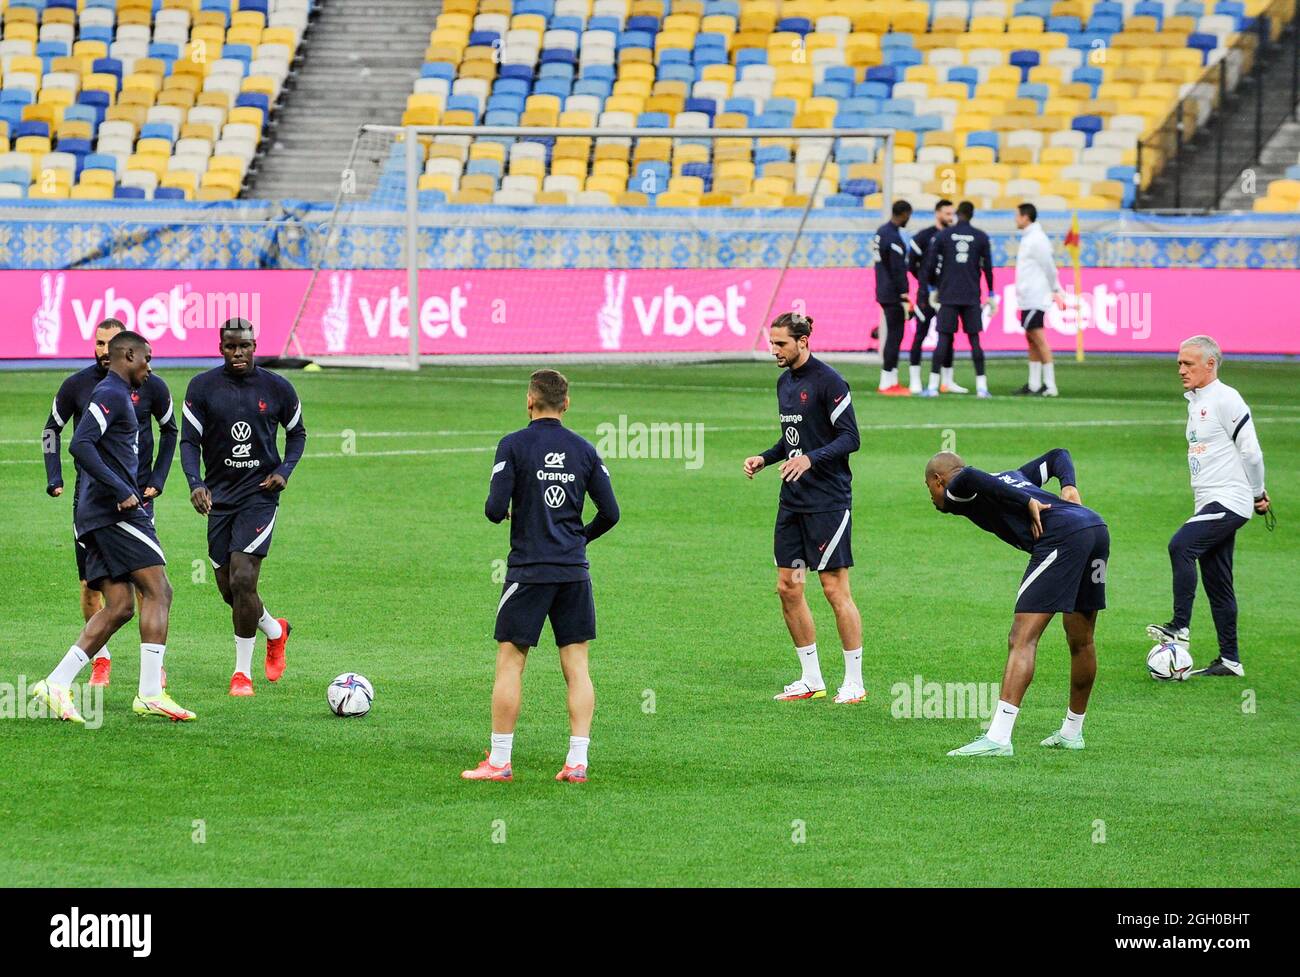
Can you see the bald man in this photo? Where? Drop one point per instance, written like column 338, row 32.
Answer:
column 1227, row 469
column 1069, row 547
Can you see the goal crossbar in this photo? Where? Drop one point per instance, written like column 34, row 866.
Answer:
column 413, row 159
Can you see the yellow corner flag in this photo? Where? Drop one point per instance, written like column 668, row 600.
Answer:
column 1072, row 245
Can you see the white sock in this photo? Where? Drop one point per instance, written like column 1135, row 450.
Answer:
column 103, row 653
column 982, row 384
column 578, row 751
column 1035, row 375
column 65, row 673
column 1049, row 375
column 1003, row 722
column 945, row 375
column 1073, row 725
column 812, row 668
column 151, row 664
column 502, row 744
column 914, row 374
column 934, row 381
column 884, row 380
column 268, row 625
column 853, row 667
column 244, row 654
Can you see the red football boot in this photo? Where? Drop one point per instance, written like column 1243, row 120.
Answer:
column 100, row 669
column 241, row 684
column 275, row 652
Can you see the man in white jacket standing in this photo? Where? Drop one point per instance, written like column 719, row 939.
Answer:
column 1227, row 467
column 1037, row 287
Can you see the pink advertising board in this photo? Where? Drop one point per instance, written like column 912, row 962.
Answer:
column 52, row 314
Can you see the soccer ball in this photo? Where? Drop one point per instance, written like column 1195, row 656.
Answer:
column 1168, row 662
column 350, row 695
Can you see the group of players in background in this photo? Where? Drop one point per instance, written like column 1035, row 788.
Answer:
column 948, row 258
column 228, row 426
column 540, row 479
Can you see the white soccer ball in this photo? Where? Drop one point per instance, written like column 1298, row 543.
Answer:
column 1168, row 662
column 350, row 695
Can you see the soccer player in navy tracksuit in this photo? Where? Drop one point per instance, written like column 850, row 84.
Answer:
column 1069, row 548
column 540, row 478
column 231, row 417
column 814, row 519
column 890, row 249
column 944, row 216
column 152, row 401
column 122, row 550
column 957, row 259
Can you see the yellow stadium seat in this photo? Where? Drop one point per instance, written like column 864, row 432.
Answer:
column 1287, row 190
column 100, row 178
column 1274, row 205
column 221, row 178
column 186, row 180
column 91, row 191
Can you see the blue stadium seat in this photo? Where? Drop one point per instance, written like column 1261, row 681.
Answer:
column 796, row 25
column 1089, row 125
column 441, row 69
column 1205, row 43
column 128, row 193
column 1148, row 8
column 169, row 193
column 100, row 161
column 1024, row 60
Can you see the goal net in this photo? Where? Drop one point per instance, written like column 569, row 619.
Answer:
column 495, row 244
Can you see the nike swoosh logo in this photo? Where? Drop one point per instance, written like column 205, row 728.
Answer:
column 841, row 397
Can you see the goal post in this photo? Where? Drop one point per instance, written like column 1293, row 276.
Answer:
column 545, row 267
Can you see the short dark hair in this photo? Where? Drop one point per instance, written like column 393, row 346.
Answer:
column 111, row 324
column 550, row 388
column 237, row 325
column 1028, row 210
column 798, row 324
column 126, row 339
column 943, row 202
column 966, row 210
column 901, row 207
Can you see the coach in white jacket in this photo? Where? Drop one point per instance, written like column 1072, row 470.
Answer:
column 1227, row 467
column 1037, row 287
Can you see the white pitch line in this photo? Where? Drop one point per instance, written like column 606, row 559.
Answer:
column 764, row 389
column 928, row 426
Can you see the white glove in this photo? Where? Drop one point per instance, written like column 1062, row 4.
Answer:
column 934, row 298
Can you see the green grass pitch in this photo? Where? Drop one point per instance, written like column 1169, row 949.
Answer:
column 385, row 564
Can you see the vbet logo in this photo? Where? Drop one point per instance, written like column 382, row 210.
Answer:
column 176, row 311
column 99, row 931
column 439, row 315
column 669, row 312
column 1110, row 310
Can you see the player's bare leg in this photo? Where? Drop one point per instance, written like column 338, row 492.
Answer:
column 101, row 662
column 507, row 692
column 1079, row 634
column 799, row 621
column 237, row 582
column 835, row 585
column 118, row 604
column 582, row 706
column 1022, row 650
column 155, row 611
